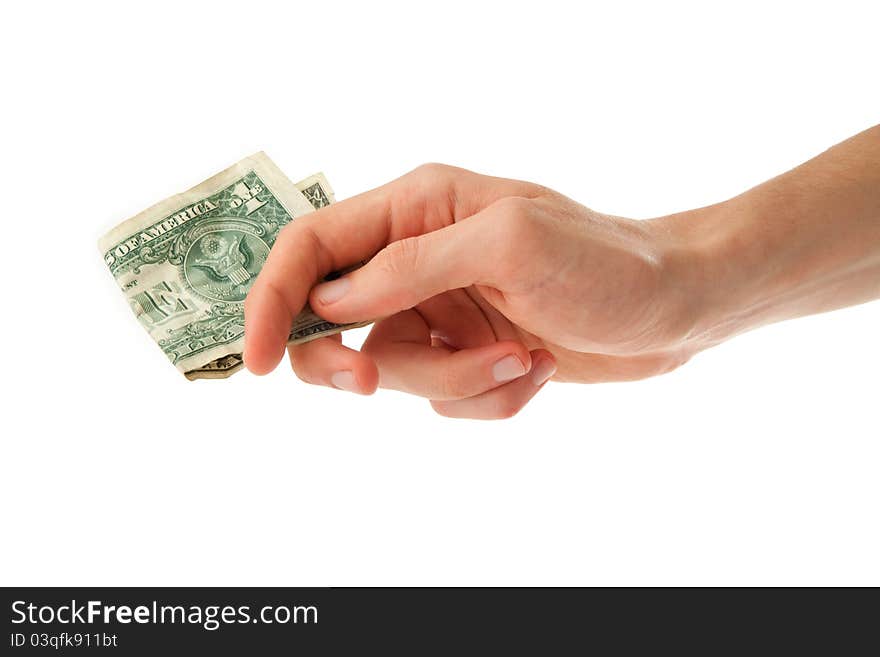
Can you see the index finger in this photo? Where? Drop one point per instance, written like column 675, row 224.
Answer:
column 307, row 250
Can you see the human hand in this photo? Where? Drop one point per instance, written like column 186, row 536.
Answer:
column 486, row 288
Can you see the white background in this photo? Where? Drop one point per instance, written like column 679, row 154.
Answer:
column 757, row 463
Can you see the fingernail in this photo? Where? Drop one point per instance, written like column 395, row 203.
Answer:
column 542, row 371
column 508, row 368
column 332, row 291
column 345, row 380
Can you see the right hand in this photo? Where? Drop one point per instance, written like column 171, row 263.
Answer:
column 485, row 287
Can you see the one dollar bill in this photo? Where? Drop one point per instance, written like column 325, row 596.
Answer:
column 186, row 264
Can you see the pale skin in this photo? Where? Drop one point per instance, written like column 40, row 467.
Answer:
column 488, row 288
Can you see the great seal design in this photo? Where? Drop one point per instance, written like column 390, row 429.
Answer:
column 222, row 264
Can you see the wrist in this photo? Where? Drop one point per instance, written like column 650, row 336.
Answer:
column 715, row 270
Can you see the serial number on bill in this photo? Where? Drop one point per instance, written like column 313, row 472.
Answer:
column 63, row 640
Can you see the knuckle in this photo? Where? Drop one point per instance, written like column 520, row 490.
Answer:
column 258, row 290
column 434, row 175
column 400, row 257
column 506, row 409
column 451, row 384
column 303, row 377
column 517, row 212
column 506, row 405
column 267, row 290
column 289, row 232
column 441, row 408
column 297, row 368
column 432, row 170
column 518, row 227
column 299, row 237
column 535, row 191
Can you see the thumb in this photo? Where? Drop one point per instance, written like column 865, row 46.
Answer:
column 410, row 270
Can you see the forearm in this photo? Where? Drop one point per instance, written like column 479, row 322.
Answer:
column 805, row 242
